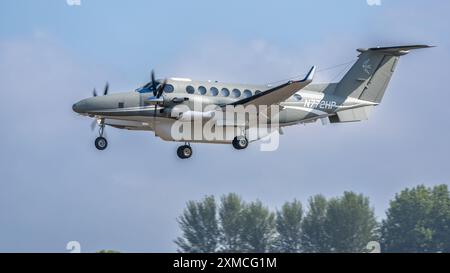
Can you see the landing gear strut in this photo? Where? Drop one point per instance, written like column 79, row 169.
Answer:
column 240, row 142
column 184, row 151
column 100, row 142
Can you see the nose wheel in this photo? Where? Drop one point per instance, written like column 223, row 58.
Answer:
column 184, row 152
column 100, row 142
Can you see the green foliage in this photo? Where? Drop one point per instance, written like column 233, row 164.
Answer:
column 240, row 227
column 258, row 228
column 289, row 228
column 231, row 223
column 350, row 223
column 418, row 220
column 199, row 226
column 314, row 236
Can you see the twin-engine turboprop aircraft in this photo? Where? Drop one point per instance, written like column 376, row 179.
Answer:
column 161, row 105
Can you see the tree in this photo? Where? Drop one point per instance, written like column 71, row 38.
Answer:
column 231, row 222
column 345, row 224
column 314, row 238
column 258, row 228
column 418, row 220
column 199, row 227
column 288, row 226
column 440, row 218
column 350, row 223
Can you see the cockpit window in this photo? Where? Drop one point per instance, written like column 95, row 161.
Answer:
column 147, row 88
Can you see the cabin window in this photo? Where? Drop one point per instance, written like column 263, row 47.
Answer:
column 190, row 89
column 236, row 93
column 297, row 97
column 214, row 91
column 202, row 90
column 120, row 104
column 168, row 88
column 225, row 92
column 247, row 93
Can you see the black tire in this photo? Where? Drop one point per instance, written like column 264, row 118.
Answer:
column 240, row 143
column 184, row 151
column 101, row 143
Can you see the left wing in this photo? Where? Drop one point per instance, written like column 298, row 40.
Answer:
column 277, row 94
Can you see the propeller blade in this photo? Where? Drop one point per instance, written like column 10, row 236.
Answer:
column 161, row 89
column 94, row 93
column 93, row 124
column 154, row 85
column 105, row 92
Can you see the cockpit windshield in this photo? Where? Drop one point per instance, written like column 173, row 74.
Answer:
column 147, row 88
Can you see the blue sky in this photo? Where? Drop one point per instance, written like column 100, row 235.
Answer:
column 55, row 187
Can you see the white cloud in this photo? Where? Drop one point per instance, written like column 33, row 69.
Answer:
column 258, row 61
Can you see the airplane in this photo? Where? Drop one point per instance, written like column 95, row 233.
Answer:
column 151, row 107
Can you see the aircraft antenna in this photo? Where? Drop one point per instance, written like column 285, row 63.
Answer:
column 317, row 72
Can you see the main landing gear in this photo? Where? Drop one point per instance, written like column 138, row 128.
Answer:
column 184, row 151
column 100, row 142
column 240, row 142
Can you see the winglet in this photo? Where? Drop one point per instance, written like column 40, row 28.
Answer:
column 310, row 76
column 279, row 93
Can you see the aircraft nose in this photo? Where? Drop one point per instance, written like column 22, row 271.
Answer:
column 80, row 107
column 75, row 108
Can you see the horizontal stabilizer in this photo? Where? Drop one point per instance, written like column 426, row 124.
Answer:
column 394, row 50
column 352, row 115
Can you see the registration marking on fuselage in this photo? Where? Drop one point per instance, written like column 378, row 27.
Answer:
column 321, row 104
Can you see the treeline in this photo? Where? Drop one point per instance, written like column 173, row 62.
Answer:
column 417, row 220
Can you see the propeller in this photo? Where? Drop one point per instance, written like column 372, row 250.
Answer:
column 161, row 88
column 153, row 83
column 94, row 124
column 157, row 89
column 98, row 122
column 105, row 91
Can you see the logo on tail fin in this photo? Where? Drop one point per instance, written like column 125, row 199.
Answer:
column 367, row 67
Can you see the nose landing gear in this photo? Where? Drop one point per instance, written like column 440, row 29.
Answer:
column 100, row 142
column 184, row 152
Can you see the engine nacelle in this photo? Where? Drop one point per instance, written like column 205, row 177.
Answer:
column 195, row 115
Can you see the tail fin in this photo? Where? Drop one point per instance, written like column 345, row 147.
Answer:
column 370, row 75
